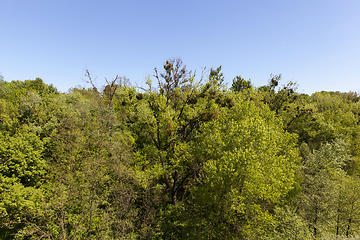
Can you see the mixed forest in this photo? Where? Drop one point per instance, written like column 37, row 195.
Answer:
column 185, row 157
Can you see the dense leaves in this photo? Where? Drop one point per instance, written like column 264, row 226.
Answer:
column 183, row 158
column 250, row 167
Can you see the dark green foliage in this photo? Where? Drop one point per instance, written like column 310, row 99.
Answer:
column 216, row 77
column 239, row 84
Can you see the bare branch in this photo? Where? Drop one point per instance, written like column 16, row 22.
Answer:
column 90, row 80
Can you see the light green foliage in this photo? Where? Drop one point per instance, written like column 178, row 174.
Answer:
column 185, row 159
column 335, row 116
column 347, row 216
column 25, row 103
column 330, row 115
column 9, row 121
column 322, row 172
column 21, row 157
column 165, row 122
column 92, row 192
column 337, row 237
column 19, row 205
column 16, row 90
column 250, row 166
column 289, row 225
column 73, row 149
column 323, row 117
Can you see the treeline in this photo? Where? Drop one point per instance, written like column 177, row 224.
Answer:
column 183, row 158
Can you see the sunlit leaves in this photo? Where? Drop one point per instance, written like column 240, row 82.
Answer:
column 21, row 157
column 250, row 166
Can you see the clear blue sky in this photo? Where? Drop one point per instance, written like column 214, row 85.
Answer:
column 313, row 42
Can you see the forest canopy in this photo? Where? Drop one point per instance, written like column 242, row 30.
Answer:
column 182, row 158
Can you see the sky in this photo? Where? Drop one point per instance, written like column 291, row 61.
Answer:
column 315, row 43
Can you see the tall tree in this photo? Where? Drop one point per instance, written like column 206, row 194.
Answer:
column 322, row 171
column 165, row 121
column 249, row 167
